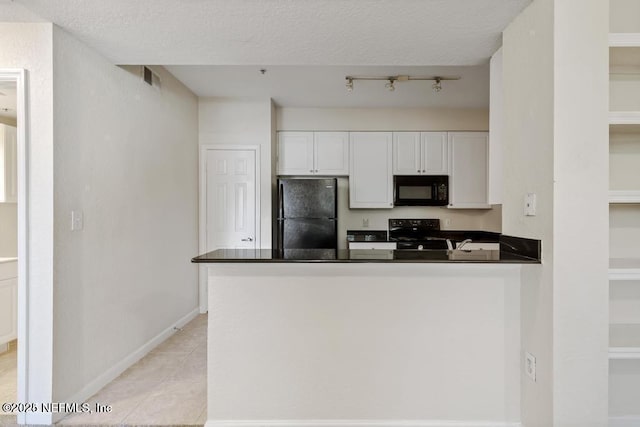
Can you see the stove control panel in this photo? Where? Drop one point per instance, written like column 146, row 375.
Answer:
column 414, row 224
column 366, row 235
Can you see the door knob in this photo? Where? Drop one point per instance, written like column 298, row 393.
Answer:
column 248, row 239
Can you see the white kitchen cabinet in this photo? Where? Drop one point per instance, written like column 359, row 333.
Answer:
column 468, row 167
column 313, row 153
column 8, row 164
column 295, row 153
column 420, row 153
column 8, row 300
column 370, row 170
column 331, row 153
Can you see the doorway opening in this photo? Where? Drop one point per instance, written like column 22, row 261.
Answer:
column 13, row 240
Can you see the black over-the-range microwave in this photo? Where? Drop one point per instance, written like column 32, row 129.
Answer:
column 421, row 190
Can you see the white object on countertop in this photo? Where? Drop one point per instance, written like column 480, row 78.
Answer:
column 372, row 245
column 9, row 259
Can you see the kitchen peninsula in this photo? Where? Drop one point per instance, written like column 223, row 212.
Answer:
column 428, row 339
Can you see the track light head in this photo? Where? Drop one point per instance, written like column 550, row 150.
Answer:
column 349, row 84
column 437, row 86
column 390, row 85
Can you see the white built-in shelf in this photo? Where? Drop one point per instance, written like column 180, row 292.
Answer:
column 624, row 269
column 624, row 196
column 624, row 341
column 624, row 118
column 624, row 39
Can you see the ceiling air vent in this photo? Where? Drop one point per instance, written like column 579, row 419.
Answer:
column 150, row 78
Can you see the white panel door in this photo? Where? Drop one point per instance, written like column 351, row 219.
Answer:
column 468, row 180
column 8, row 310
column 331, row 153
column 435, row 153
column 230, row 199
column 295, row 153
column 406, row 153
column 370, row 170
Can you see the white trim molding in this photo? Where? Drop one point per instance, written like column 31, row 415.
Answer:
column 20, row 77
column 359, row 423
column 113, row 372
column 624, row 196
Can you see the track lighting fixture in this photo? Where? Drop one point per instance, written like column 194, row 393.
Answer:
column 349, row 84
column 391, row 80
column 390, row 86
column 437, row 86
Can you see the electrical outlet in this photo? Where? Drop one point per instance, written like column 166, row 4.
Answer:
column 530, row 366
column 447, row 222
column 77, row 220
column 365, row 222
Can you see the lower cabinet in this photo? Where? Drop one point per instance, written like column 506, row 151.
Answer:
column 8, row 302
column 469, row 170
column 370, row 170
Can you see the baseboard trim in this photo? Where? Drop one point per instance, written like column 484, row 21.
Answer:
column 358, row 423
column 112, row 373
column 628, row 421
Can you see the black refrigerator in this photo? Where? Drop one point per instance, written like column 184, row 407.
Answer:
column 308, row 215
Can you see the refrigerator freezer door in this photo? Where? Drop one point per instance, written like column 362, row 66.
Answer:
column 308, row 234
column 307, row 198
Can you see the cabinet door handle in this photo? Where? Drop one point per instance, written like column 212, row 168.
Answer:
column 311, row 171
column 418, row 171
column 248, row 239
column 423, row 171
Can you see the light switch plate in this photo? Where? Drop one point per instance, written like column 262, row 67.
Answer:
column 530, row 204
column 530, row 366
column 77, row 220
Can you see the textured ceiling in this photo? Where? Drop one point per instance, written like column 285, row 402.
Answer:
column 216, row 47
column 286, row 32
column 324, row 86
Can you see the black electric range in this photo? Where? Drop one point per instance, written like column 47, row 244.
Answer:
column 416, row 234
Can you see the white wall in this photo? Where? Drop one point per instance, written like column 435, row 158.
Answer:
column 8, row 121
column 8, row 229
column 625, row 16
column 556, row 147
column 29, row 46
column 581, row 168
column 428, row 343
column 382, row 119
column 237, row 121
column 126, row 155
column 393, row 119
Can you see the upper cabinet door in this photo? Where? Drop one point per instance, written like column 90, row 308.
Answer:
column 331, row 153
column 8, row 164
column 406, row 153
column 370, row 170
column 435, row 154
column 295, row 153
column 468, row 180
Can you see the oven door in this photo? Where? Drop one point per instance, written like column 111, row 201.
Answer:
column 421, row 190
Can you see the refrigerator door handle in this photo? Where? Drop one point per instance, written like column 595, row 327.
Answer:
column 281, row 200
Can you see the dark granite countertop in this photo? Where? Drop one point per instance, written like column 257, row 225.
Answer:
column 513, row 250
